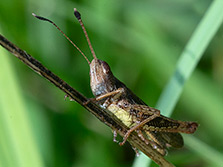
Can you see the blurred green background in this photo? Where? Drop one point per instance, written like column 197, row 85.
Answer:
column 141, row 41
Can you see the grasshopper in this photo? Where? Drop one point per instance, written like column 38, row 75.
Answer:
column 110, row 93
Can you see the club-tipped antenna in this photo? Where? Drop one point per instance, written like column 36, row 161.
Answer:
column 45, row 19
column 78, row 16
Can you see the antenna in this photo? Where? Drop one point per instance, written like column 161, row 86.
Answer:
column 45, row 19
column 78, row 16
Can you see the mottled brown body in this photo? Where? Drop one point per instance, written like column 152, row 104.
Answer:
column 161, row 131
column 110, row 93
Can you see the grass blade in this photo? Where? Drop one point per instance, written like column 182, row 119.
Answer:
column 211, row 155
column 18, row 146
column 187, row 63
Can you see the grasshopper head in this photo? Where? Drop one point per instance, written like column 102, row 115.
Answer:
column 102, row 79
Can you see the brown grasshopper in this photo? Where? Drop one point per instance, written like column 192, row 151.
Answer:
column 110, row 93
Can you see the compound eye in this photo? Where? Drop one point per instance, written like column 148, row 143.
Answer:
column 106, row 68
